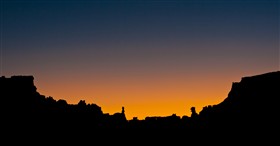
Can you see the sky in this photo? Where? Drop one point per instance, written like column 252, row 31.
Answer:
column 155, row 58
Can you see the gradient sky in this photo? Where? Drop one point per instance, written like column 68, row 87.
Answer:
column 155, row 58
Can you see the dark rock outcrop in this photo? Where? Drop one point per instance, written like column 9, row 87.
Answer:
column 23, row 106
column 252, row 103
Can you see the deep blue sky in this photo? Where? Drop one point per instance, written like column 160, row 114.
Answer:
column 35, row 25
column 93, row 46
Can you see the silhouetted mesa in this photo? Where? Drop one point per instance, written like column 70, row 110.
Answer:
column 251, row 104
column 23, row 105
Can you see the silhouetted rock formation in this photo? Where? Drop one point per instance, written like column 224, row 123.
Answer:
column 251, row 104
column 23, row 105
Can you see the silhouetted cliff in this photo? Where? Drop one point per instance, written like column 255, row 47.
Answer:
column 22, row 105
column 252, row 103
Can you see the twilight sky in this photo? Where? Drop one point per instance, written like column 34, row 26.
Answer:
column 155, row 58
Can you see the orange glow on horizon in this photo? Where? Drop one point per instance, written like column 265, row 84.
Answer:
column 148, row 91
column 141, row 98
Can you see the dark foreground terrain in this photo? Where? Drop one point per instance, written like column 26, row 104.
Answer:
column 250, row 108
